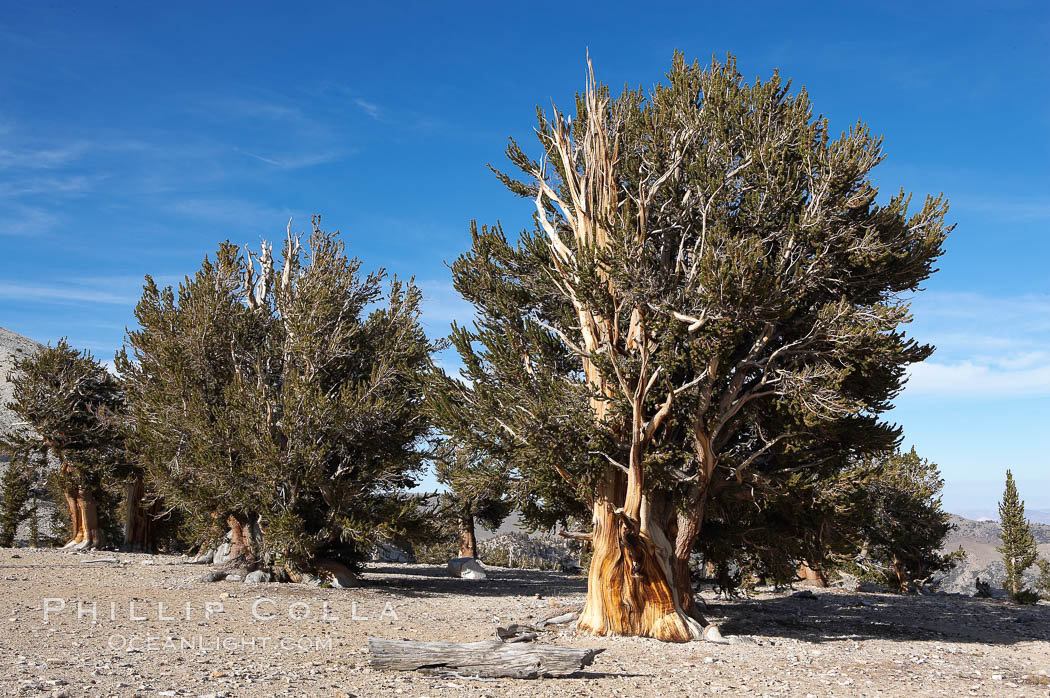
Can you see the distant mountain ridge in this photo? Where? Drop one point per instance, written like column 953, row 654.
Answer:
column 979, row 539
column 13, row 347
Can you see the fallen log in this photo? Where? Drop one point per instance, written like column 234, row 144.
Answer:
column 486, row 659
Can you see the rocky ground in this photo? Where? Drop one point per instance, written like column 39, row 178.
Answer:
column 156, row 629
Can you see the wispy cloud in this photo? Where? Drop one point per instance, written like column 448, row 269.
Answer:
column 27, row 221
column 370, row 108
column 987, row 346
column 1007, row 208
column 111, row 289
column 981, row 380
column 74, row 185
column 241, row 107
column 42, row 158
column 63, row 294
column 293, row 162
column 238, row 212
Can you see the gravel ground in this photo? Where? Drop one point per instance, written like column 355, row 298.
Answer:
column 184, row 637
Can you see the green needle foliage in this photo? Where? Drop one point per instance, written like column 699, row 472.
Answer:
column 285, row 399
column 1018, row 544
column 477, row 493
column 14, row 495
column 1042, row 583
column 906, row 526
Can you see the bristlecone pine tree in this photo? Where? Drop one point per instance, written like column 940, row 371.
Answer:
column 709, row 302
column 906, row 526
column 478, row 492
column 1018, row 544
column 283, row 401
column 73, row 407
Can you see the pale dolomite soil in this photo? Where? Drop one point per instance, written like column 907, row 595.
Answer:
column 839, row 644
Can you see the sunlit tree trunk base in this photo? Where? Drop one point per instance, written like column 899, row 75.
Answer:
column 83, row 520
column 809, row 575
column 630, row 588
column 240, row 537
column 468, row 542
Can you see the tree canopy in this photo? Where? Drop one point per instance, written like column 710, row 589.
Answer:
column 284, row 399
column 709, row 302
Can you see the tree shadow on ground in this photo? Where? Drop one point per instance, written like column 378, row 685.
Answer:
column 417, row 580
column 837, row 616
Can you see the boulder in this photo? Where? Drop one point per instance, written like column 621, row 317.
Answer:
column 713, row 634
column 466, row 568
column 871, row 588
column 214, row 576
column 204, row 558
column 258, row 576
column 221, row 554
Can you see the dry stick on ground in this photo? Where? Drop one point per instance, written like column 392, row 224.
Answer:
column 486, row 659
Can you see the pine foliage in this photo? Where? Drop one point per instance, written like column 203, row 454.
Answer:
column 15, row 485
column 907, row 527
column 1017, row 541
column 285, row 395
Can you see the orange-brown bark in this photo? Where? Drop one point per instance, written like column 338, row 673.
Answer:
column 810, row 575
column 139, row 519
column 688, row 530
column 83, row 519
column 631, row 588
column 240, row 537
column 468, row 542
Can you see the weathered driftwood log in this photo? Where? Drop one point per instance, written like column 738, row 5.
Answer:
column 487, row 659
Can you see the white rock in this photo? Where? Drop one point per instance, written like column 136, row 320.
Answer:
column 204, row 558
column 222, row 554
column 713, row 634
column 466, row 568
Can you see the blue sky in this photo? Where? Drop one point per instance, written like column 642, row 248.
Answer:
column 136, row 136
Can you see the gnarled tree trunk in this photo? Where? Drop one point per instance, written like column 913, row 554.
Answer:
column 811, row 575
column 689, row 523
column 83, row 518
column 632, row 586
column 139, row 518
column 468, row 542
column 83, row 514
column 635, row 585
column 241, row 537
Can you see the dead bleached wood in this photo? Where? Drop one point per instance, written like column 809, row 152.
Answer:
column 516, row 633
column 560, row 619
column 487, row 659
